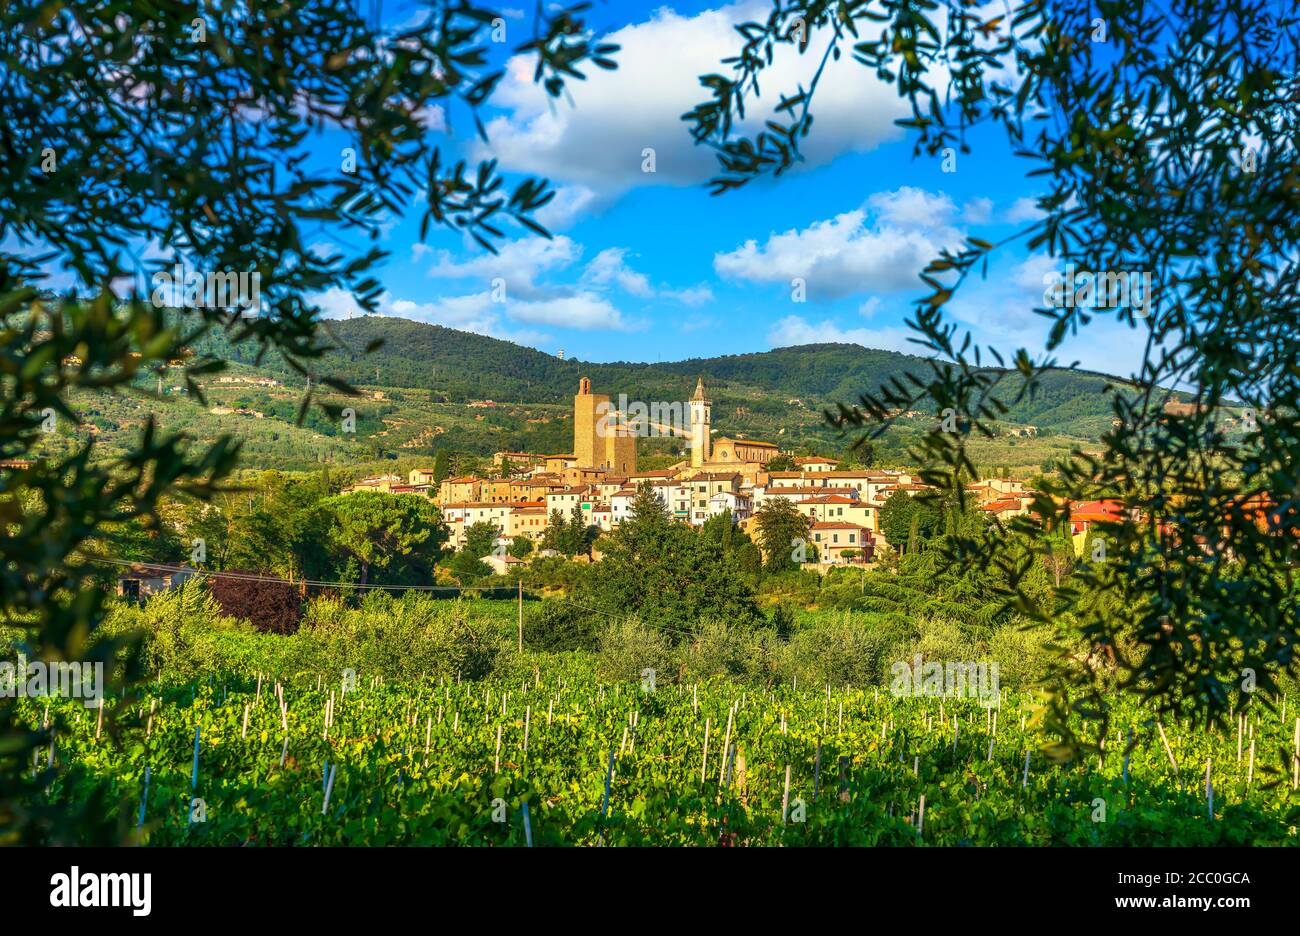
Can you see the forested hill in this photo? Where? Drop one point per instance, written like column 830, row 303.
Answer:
column 460, row 367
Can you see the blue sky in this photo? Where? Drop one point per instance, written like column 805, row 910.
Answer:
column 648, row 266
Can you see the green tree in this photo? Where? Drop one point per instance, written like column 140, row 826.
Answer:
column 125, row 127
column 782, row 462
column 480, row 539
column 666, row 573
column 896, row 518
column 555, row 538
column 386, row 534
column 580, row 534
column 441, row 466
column 781, row 527
column 1163, row 147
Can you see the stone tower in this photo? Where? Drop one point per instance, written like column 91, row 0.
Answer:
column 585, row 416
column 700, row 429
column 601, row 439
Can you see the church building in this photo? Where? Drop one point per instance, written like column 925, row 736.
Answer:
column 726, row 453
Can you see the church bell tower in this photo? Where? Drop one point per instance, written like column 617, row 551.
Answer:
column 700, row 407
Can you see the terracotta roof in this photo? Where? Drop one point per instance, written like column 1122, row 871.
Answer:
column 811, row 491
column 993, row 506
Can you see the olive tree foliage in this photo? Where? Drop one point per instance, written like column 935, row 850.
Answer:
column 1163, row 136
column 136, row 136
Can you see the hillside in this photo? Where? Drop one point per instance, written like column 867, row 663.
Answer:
column 426, row 388
column 461, row 367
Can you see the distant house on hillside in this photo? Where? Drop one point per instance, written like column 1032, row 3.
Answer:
column 149, row 578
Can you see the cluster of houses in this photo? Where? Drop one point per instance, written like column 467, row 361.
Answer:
column 843, row 507
column 723, row 475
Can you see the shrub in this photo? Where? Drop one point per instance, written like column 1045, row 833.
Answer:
column 722, row 650
column 272, row 607
column 553, row 625
column 837, row 653
column 628, row 647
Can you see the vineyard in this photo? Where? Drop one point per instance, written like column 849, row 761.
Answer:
column 561, row 758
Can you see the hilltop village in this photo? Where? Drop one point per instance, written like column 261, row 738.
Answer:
column 724, row 474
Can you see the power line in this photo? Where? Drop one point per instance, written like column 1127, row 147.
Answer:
column 253, row 577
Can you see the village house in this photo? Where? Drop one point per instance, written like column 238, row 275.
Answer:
column 421, row 476
column 528, row 520
column 565, row 499
column 141, row 580
column 517, row 460
column 839, row 507
column 460, row 490
column 382, row 483
column 740, row 505
column 834, row 538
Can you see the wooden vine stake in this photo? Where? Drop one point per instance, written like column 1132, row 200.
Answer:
column 726, row 744
column 1174, row 763
column 144, row 799
column 704, row 764
column 329, row 788
column 1295, row 756
column 1209, row 790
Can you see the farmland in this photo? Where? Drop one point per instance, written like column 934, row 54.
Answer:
column 250, row 756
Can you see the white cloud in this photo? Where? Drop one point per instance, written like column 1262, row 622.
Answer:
column 978, row 211
column 569, row 204
column 336, row 303
column 585, row 311
column 474, row 312
column 1023, row 209
column 609, row 266
column 691, row 296
column 519, row 263
column 598, row 141
column 794, row 330
column 881, row 250
column 523, row 264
